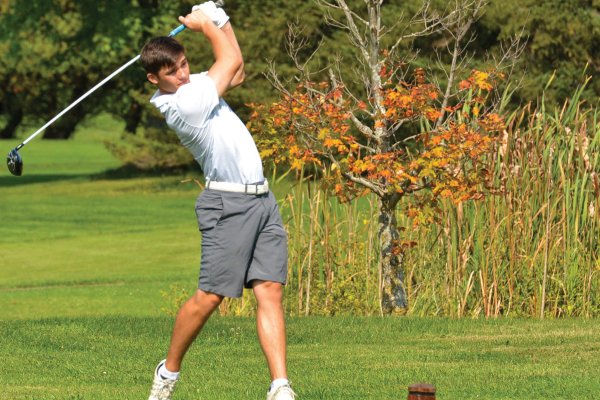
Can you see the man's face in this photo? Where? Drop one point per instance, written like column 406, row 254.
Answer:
column 169, row 79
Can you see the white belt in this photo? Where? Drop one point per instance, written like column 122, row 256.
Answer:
column 255, row 189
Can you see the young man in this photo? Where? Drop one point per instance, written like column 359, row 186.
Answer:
column 244, row 243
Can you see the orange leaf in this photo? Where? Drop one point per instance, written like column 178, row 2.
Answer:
column 463, row 85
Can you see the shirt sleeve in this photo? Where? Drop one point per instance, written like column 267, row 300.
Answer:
column 197, row 100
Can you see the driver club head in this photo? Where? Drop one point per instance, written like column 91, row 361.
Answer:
column 14, row 163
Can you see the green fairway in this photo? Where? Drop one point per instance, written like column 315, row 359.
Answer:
column 85, row 260
column 106, row 245
column 329, row 358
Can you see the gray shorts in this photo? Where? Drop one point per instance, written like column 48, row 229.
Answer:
column 243, row 239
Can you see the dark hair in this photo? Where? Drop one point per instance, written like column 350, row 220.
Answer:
column 162, row 51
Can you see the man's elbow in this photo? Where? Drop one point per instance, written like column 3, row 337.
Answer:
column 238, row 62
column 239, row 77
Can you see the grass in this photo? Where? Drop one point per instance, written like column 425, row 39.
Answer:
column 85, row 260
column 110, row 357
column 72, row 231
column 82, row 236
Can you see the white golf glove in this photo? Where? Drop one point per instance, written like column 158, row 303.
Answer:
column 216, row 15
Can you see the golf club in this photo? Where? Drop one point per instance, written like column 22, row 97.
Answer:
column 14, row 160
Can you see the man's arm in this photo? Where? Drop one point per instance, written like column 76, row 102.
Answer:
column 239, row 76
column 228, row 58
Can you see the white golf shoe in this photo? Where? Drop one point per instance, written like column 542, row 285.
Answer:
column 284, row 392
column 162, row 388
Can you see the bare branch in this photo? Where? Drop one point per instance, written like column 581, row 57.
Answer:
column 350, row 24
column 511, row 51
column 453, row 67
column 364, row 129
column 273, row 77
column 295, row 43
column 431, row 21
column 463, row 18
column 369, row 149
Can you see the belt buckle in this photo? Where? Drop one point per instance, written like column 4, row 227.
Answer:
column 246, row 189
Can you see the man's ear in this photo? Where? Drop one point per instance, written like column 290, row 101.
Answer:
column 152, row 78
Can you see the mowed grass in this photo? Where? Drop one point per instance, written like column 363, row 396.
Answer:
column 86, row 256
column 112, row 357
column 91, row 242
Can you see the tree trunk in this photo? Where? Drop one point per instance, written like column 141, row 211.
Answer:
column 64, row 127
column 15, row 115
column 133, row 117
column 393, row 298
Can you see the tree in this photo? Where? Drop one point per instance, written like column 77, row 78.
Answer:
column 563, row 38
column 402, row 136
column 54, row 51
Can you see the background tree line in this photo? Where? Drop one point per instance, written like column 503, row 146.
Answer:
column 54, row 51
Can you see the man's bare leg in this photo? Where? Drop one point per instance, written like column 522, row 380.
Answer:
column 189, row 322
column 270, row 324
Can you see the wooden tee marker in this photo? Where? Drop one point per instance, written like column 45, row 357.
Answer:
column 421, row 391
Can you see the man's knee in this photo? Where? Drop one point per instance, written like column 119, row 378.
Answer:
column 206, row 300
column 266, row 291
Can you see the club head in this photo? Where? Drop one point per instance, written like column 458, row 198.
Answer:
column 14, row 163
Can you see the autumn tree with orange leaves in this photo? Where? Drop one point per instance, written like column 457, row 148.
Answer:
column 404, row 136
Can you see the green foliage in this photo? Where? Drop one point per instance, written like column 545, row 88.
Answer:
column 563, row 37
column 54, row 51
column 153, row 148
column 68, row 47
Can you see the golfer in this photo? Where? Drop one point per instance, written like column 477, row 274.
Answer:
column 244, row 244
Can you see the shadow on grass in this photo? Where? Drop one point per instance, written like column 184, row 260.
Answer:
column 12, row 181
column 121, row 173
column 132, row 172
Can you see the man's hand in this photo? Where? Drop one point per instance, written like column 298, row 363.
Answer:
column 216, row 15
column 227, row 70
column 196, row 21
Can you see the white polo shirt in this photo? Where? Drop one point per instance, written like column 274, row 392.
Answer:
column 212, row 132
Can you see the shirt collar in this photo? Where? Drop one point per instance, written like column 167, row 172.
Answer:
column 159, row 98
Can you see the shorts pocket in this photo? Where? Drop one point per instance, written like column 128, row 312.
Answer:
column 209, row 210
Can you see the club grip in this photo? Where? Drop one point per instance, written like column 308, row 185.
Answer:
column 177, row 30
column 180, row 28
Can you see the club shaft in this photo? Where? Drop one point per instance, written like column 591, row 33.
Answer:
column 174, row 32
column 79, row 100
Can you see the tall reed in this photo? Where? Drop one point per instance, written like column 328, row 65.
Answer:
column 332, row 253
column 532, row 250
